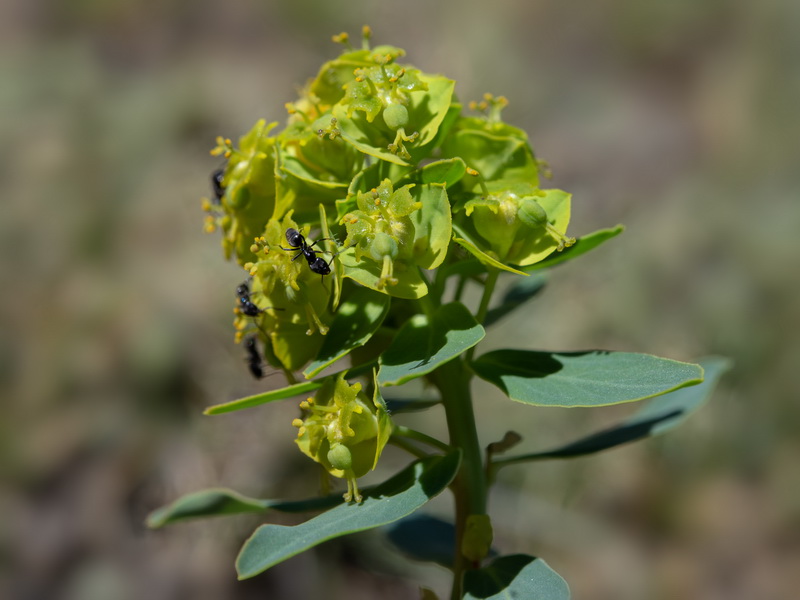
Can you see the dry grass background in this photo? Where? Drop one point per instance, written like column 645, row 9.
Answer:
column 676, row 118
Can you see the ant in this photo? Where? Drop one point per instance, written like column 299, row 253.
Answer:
column 297, row 242
column 253, row 357
column 216, row 185
column 247, row 306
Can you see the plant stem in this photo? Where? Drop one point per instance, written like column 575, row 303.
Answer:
column 491, row 281
column 469, row 487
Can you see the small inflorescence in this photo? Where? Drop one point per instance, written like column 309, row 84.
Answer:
column 348, row 163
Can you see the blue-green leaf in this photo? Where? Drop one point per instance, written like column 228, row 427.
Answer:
column 421, row 345
column 392, row 500
column 515, row 576
column 355, row 322
column 221, row 501
column 426, row 538
column 519, row 293
column 658, row 415
column 591, row 378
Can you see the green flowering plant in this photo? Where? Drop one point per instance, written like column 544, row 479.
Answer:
column 358, row 227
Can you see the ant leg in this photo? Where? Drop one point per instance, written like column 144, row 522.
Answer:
column 321, row 240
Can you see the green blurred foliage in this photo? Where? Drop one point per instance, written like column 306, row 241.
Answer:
column 677, row 118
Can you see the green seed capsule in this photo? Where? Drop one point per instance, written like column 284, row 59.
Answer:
column 340, row 457
column 395, row 116
column 383, row 245
column 532, row 214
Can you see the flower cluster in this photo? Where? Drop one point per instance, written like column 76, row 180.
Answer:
column 383, row 180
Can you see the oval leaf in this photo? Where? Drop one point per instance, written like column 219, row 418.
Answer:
column 355, row 322
column 392, row 500
column 592, row 378
column 421, row 346
column 515, row 576
column 655, row 417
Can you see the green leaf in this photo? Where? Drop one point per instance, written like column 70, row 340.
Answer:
column 516, row 296
column 221, row 501
column 410, row 284
column 403, row 405
column 297, row 389
column 392, row 500
column 515, row 576
column 421, row 345
column 654, row 418
column 466, row 240
column 432, row 225
column 356, row 320
column 447, row 171
column 591, row 378
column 581, row 246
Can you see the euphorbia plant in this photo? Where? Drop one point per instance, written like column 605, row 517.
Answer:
column 358, row 226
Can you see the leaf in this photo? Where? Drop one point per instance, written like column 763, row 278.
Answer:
column 403, row 405
column 447, row 171
column 392, row 500
column 221, row 501
column 591, row 378
column 654, row 418
column 581, row 246
column 515, row 576
column 421, row 346
column 432, row 225
column 425, row 538
column 356, row 320
column 410, row 284
column 465, row 240
column 516, row 296
column 297, row 389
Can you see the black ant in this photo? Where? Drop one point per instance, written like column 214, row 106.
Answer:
column 247, row 306
column 253, row 357
column 297, row 242
column 216, row 185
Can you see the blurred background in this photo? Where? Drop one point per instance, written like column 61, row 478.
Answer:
column 677, row 118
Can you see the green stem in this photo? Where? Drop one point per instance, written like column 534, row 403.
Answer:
column 469, row 487
column 413, row 434
column 491, row 281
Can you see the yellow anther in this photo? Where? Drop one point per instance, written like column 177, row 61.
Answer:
column 488, row 97
column 266, row 250
column 342, row 38
column 483, row 105
column 377, row 201
column 297, row 422
column 254, row 248
column 473, row 105
column 473, row 172
column 301, row 432
column 248, row 265
column 290, row 108
column 354, row 220
column 237, row 337
column 206, row 205
column 253, row 271
column 366, row 31
column 228, row 142
column 209, row 228
column 359, row 79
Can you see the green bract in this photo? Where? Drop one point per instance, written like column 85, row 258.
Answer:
column 359, row 225
column 344, row 431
